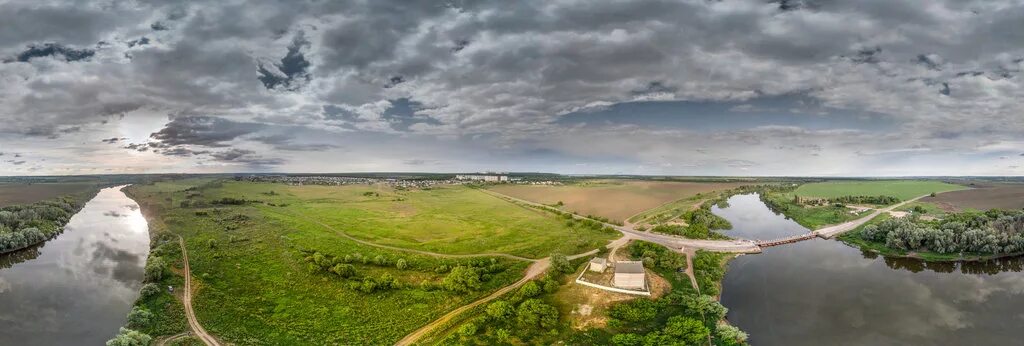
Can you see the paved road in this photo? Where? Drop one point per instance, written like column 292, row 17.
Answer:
column 832, row 231
column 193, row 322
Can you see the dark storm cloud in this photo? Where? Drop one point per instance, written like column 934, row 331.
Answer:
column 291, row 73
column 505, row 75
column 203, row 130
column 247, row 157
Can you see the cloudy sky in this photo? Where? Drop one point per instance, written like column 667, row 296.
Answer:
column 689, row 87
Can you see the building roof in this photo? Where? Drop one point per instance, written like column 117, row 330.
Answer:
column 599, row 260
column 629, row 267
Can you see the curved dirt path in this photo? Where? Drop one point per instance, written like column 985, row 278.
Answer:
column 402, row 249
column 535, row 269
column 193, row 322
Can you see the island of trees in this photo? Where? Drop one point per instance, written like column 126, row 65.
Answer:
column 980, row 234
column 22, row 226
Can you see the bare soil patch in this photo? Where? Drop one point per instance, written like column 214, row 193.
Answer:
column 983, row 197
column 614, row 199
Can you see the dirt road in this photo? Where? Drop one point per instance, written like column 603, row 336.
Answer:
column 832, row 231
column 535, row 269
column 193, row 322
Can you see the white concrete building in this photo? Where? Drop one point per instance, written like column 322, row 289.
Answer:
column 598, row 264
column 630, row 275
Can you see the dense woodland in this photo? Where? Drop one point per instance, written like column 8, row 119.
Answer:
column 991, row 232
column 22, row 226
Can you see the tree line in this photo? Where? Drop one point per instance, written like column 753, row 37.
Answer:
column 22, row 226
column 464, row 276
column 991, row 232
column 700, row 224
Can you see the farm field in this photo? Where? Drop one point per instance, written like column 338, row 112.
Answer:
column 902, row 189
column 616, row 200
column 984, row 197
column 266, row 256
column 19, row 193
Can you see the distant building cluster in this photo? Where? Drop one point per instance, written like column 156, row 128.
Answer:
column 483, row 177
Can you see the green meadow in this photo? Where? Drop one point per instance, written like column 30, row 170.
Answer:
column 267, row 267
column 902, row 189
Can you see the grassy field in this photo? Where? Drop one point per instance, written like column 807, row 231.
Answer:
column 616, row 200
column 984, row 197
column 250, row 247
column 18, row 193
column 450, row 219
column 902, row 189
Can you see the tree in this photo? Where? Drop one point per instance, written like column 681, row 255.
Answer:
column 139, row 317
column 344, row 270
column 706, row 305
column 529, row 289
column 154, row 270
column 462, row 279
column 401, row 264
column 467, row 329
column 501, row 309
column 628, row 339
column 561, row 264
column 534, row 313
column 730, row 335
column 128, row 337
column 149, row 290
column 689, row 330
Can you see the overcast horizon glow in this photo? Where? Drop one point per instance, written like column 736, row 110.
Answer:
column 688, row 87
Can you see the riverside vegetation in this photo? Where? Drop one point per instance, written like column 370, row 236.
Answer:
column 971, row 234
column 22, row 226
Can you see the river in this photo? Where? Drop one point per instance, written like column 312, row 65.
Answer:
column 77, row 288
column 823, row 292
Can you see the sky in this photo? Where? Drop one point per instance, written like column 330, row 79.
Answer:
column 688, row 87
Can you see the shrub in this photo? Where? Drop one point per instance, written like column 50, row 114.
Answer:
column 533, row 313
column 139, row 317
column 462, row 279
column 149, row 290
column 154, row 270
column 128, row 337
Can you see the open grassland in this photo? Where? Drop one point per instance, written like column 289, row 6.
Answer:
column 450, row 219
column 20, row 193
column 984, row 197
column 257, row 254
column 616, row 200
column 902, row 189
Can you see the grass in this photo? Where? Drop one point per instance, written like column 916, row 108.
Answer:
column 616, row 200
column 249, row 260
column 810, row 217
column 20, row 193
column 902, row 189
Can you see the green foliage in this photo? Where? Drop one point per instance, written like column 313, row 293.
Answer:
column 688, row 330
column 534, row 313
column 529, row 290
column 994, row 232
column 128, row 337
column 657, row 256
column 139, row 317
column 149, row 290
column 500, row 309
column 155, row 268
column 401, row 264
column 462, row 279
column 22, row 226
column 730, row 335
column 635, row 311
column 561, row 264
column 707, row 267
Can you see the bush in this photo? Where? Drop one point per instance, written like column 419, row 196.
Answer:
column 561, row 264
column 462, row 279
column 534, row 313
column 139, row 317
column 401, row 264
column 128, row 337
column 154, row 270
column 149, row 290
column 501, row 310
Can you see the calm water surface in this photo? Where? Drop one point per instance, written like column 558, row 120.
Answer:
column 77, row 288
column 822, row 292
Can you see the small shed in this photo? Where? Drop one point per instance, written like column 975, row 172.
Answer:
column 598, row 264
column 630, row 275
